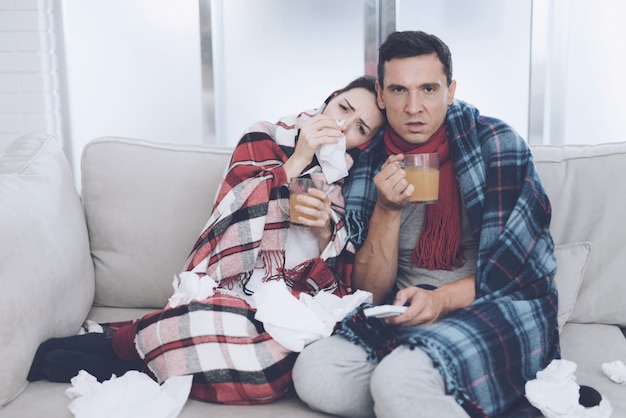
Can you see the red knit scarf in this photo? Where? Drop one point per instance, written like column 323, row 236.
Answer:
column 439, row 243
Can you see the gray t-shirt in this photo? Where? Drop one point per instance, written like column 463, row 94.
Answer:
column 410, row 226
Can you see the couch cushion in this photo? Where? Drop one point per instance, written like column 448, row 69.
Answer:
column 588, row 195
column 45, row 264
column 571, row 260
column 146, row 204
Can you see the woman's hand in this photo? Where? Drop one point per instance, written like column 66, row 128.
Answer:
column 317, row 131
column 317, row 209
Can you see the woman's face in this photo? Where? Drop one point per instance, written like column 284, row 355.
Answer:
column 358, row 110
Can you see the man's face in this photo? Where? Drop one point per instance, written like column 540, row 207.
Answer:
column 416, row 96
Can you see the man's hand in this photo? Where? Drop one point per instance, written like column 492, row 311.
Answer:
column 427, row 306
column 394, row 191
column 424, row 306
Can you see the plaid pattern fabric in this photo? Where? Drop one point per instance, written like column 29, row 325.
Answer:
column 251, row 216
column 488, row 350
column 218, row 341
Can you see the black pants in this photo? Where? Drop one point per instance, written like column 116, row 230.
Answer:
column 60, row 359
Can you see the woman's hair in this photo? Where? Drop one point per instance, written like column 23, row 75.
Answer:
column 365, row 82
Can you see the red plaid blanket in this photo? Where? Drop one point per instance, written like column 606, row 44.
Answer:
column 251, row 216
column 217, row 340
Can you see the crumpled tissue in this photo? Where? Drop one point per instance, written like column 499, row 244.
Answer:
column 294, row 322
column 133, row 395
column 615, row 370
column 90, row 326
column 189, row 286
column 556, row 394
column 332, row 160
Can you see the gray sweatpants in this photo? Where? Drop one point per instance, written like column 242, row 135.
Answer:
column 333, row 376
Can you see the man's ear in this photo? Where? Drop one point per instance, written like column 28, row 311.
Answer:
column 451, row 90
column 379, row 95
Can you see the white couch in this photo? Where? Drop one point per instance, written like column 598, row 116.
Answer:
column 111, row 253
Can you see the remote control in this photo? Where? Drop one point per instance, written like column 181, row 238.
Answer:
column 384, row 311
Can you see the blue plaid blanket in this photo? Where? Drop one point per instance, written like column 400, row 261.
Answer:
column 488, row 350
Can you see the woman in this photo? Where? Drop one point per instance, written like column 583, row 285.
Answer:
column 247, row 247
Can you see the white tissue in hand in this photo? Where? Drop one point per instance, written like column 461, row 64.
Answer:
column 134, row 394
column 189, row 286
column 332, row 158
column 615, row 370
column 556, row 394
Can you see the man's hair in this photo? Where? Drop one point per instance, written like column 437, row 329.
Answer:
column 408, row 44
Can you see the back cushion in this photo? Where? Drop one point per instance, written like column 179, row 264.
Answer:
column 587, row 189
column 45, row 265
column 145, row 204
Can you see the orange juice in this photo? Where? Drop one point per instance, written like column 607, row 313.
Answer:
column 426, row 183
column 293, row 213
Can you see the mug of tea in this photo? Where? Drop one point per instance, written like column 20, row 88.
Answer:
column 422, row 171
column 299, row 186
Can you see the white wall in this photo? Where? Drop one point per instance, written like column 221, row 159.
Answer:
column 277, row 57
column 592, row 101
column 134, row 65
column 25, row 91
column 133, row 70
column 490, row 47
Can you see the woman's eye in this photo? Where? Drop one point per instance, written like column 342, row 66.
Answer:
column 343, row 108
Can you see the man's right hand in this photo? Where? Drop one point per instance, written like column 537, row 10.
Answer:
column 394, row 191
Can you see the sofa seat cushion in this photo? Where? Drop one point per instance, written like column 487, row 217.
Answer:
column 45, row 399
column 45, row 264
column 590, row 345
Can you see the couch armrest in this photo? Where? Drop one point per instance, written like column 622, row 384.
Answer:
column 46, row 268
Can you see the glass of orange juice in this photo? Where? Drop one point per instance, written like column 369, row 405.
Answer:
column 422, row 171
column 297, row 187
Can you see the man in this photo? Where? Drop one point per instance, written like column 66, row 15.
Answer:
column 475, row 269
